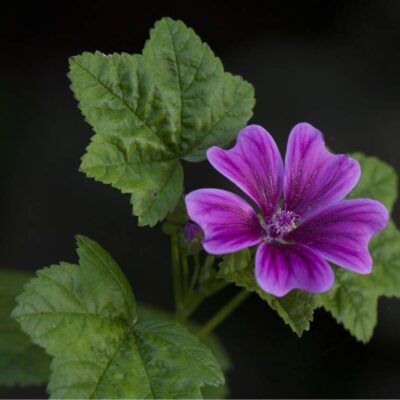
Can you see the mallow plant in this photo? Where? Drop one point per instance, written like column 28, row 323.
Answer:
column 311, row 229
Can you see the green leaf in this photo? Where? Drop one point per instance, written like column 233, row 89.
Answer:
column 354, row 298
column 385, row 251
column 149, row 111
column 352, row 302
column 378, row 180
column 296, row 308
column 85, row 316
column 21, row 362
column 210, row 105
column 211, row 341
column 221, row 391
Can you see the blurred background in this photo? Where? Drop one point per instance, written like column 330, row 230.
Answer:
column 334, row 64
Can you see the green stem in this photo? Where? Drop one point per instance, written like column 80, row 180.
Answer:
column 199, row 297
column 196, row 272
column 176, row 275
column 185, row 275
column 209, row 261
column 224, row 312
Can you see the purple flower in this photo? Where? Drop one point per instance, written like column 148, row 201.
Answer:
column 303, row 221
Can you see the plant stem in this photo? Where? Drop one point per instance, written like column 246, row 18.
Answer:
column 185, row 275
column 199, row 297
column 176, row 274
column 209, row 261
column 224, row 312
column 196, row 272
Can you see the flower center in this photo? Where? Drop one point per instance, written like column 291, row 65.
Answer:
column 280, row 224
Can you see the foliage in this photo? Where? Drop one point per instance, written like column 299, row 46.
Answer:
column 149, row 111
column 85, row 317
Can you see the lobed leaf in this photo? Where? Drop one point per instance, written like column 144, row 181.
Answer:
column 85, row 317
column 149, row 111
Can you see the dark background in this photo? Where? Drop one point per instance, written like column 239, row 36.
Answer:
column 332, row 63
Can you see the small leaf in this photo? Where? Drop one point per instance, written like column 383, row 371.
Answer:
column 21, row 362
column 296, row 308
column 85, row 316
column 354, row 298
column 148, row 111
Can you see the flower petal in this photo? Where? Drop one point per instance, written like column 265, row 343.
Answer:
column 341, row 232
column 254, row 165
column 314, row 177
column 228, row 222
column 281, row 268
